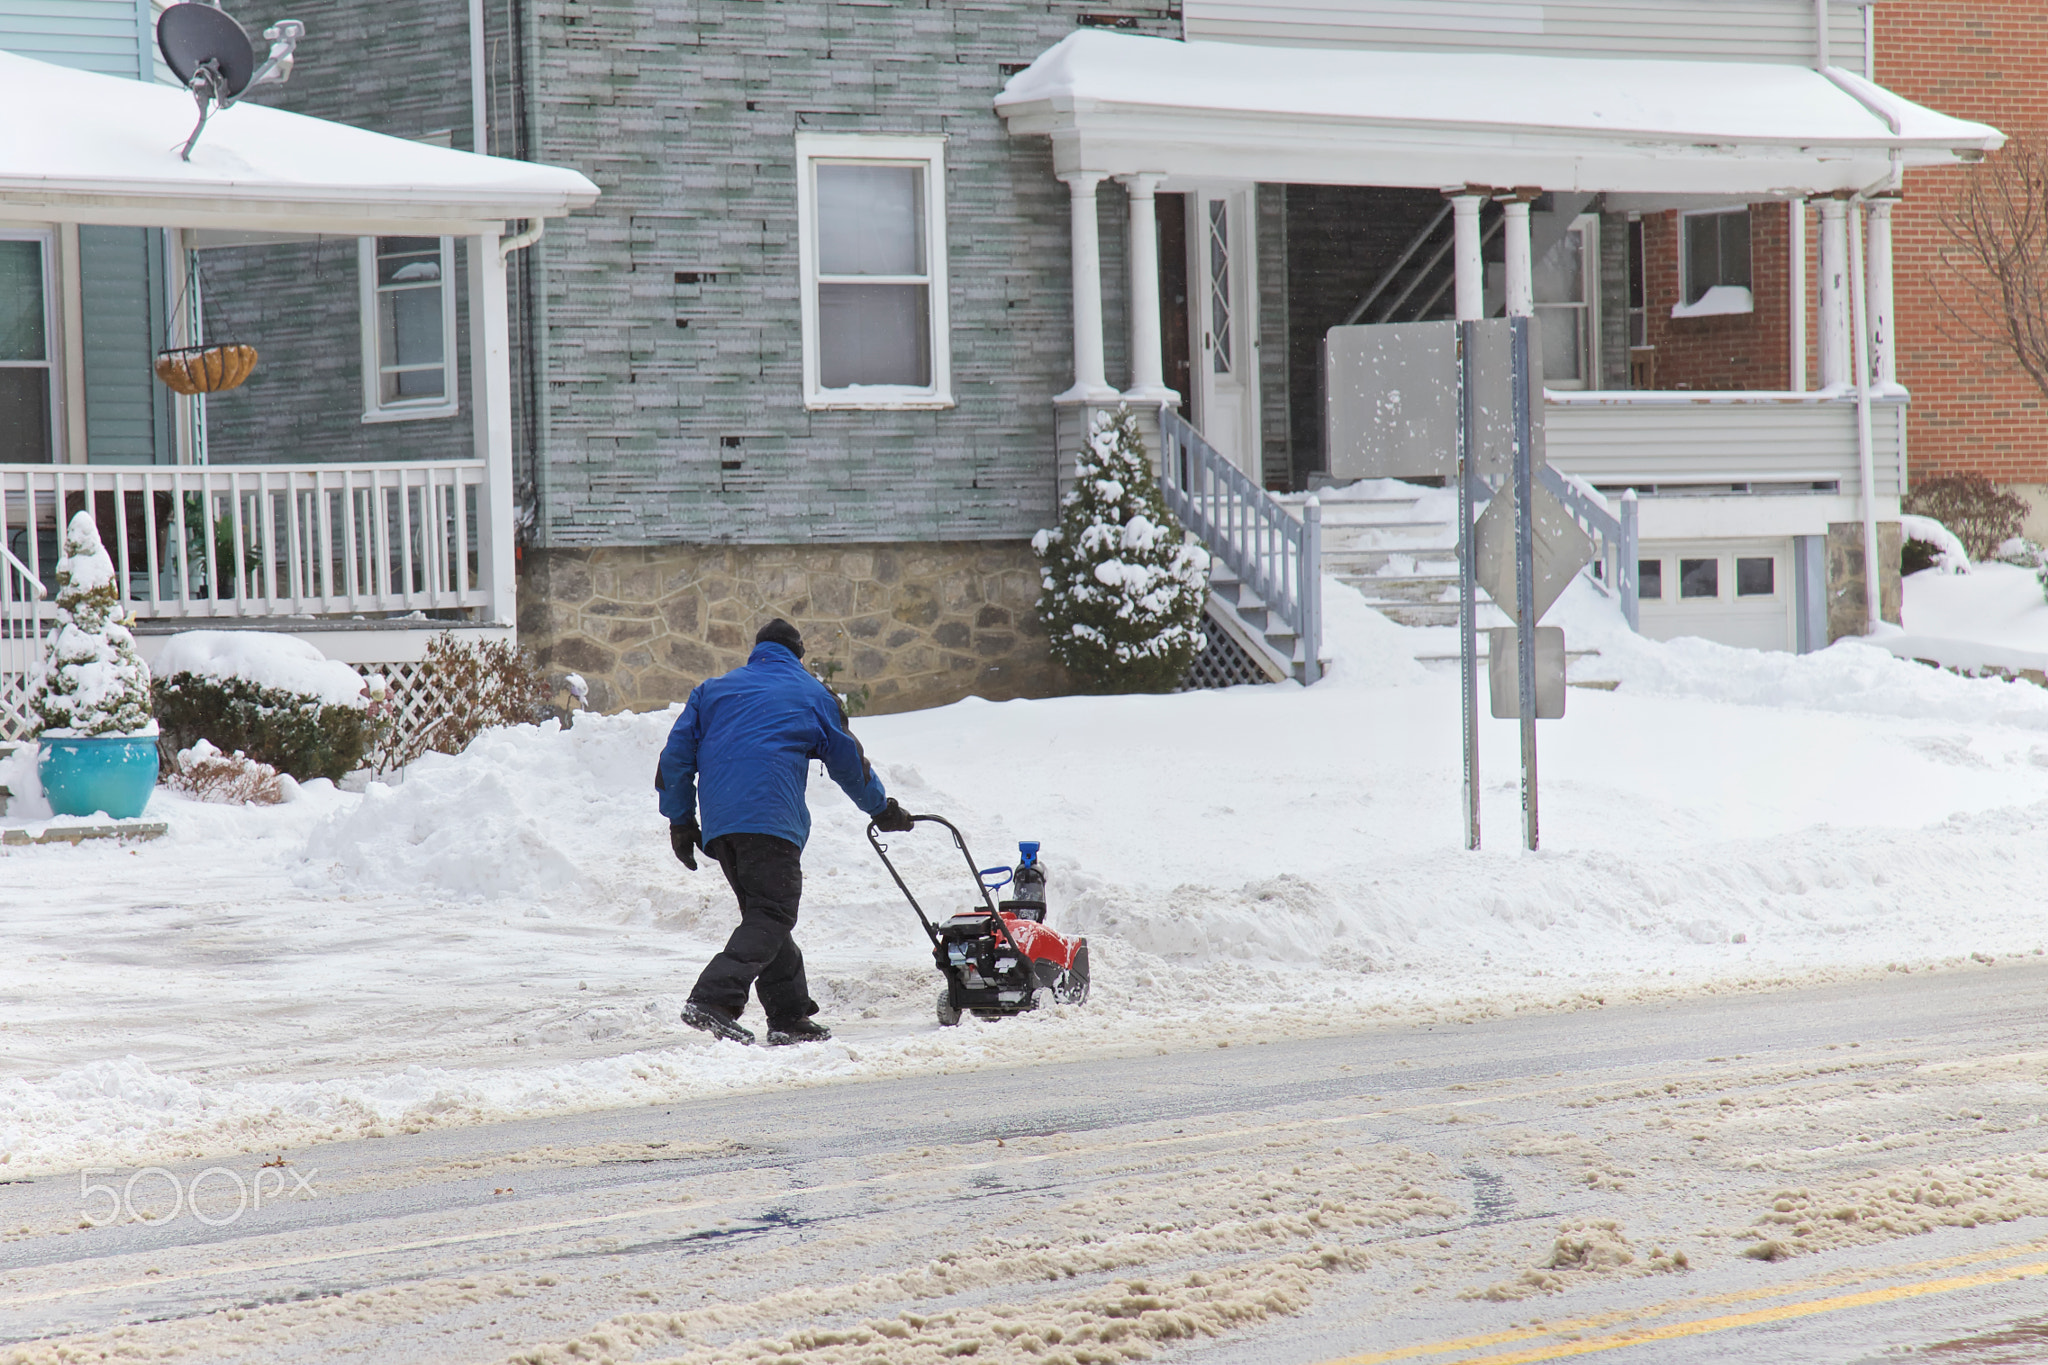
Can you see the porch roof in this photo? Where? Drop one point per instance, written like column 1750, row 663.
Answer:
column 82, row 147
column 1121, row 104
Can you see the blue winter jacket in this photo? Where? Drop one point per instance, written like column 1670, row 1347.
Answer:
column 749, row 735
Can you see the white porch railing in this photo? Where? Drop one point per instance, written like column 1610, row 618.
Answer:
column 1668, row 439
column 1276, row 556
column 264, row 540
column 22, row 618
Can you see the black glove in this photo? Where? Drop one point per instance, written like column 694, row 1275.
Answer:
column 894, row 819
column 686, row 838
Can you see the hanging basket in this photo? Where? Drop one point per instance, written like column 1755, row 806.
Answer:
column 205, row 369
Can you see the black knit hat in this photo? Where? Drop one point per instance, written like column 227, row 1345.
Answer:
column 781, row 632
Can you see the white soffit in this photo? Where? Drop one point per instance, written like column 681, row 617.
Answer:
column 1120, row 103
column 81, row 147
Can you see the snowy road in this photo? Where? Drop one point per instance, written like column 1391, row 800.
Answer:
column 1816, row 1175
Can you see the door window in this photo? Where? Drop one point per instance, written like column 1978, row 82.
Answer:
column 1699, row 578
column 1219, row 286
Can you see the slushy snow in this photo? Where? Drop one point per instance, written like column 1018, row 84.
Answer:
column 506, row 932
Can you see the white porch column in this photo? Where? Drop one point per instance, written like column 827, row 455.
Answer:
column 1795, row 215
column 1521, row 285
column 1835, row 369
column 1148, row 373
column 490, row 417
column 1884, row 370
column 1465, row 260
column 1090, row 384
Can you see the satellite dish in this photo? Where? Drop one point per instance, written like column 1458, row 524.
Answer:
column 212, row 55
column 192, row 35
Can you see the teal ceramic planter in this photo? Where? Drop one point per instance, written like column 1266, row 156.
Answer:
column 111, row 773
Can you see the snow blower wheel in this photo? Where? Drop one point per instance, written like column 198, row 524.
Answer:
column 997, row 961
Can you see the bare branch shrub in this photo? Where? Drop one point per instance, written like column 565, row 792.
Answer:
column 1992, row 276
column 476, row 686
column 233, row 779
column 1982, row 516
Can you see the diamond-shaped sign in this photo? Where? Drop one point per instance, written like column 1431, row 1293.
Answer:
column 1561, row 548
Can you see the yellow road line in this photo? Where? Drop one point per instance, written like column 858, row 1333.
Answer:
column 1696, row 1327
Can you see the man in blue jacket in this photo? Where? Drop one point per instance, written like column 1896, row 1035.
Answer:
column 750, row 735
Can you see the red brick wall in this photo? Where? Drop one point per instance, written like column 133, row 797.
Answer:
column 1738, row 351
column 1973, row 409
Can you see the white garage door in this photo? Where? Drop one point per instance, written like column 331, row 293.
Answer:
column 1738, row 592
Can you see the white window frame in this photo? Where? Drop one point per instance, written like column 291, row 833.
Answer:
column 929, row 154
column 53, row 342
column 1587, row 225
column 375, row 409
column 1685, row 217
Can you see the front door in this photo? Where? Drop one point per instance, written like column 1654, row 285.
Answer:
column 1224, row 323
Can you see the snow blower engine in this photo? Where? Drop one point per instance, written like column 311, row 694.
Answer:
column 998, row 959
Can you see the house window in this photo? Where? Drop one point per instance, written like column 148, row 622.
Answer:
column 871, row 216
column 408, row 303
column 27, row 376
column 1699, row 578
column 1650, row 579
column 1638, row 314
column 1714, row 263
column 1563, row 285
column 1756, row 577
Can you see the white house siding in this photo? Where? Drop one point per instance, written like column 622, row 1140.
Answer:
column 1685, row 30
column 1645, row 442
column 111, row 37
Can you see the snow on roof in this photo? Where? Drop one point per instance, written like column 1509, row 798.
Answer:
column 83, row 147
column 1125, row 92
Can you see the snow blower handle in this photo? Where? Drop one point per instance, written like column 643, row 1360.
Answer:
column 960, row 842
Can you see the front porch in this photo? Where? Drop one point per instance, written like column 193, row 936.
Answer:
column 367, row 558
column 1293, row 192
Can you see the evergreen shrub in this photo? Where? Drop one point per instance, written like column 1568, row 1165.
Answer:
column 1122, row 589
column 293, row 732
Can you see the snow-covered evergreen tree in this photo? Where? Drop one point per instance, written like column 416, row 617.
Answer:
column 1123, row 590
column 94, row 682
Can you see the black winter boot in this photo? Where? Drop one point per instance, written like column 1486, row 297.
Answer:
column 718, row 1023
column 797, row 1031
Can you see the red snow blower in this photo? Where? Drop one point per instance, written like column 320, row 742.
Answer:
column 1000, row 959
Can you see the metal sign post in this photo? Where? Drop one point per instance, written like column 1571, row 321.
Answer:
column 1525, row 572
column 1468, row 607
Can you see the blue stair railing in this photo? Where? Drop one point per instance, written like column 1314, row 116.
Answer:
column 1270, row 552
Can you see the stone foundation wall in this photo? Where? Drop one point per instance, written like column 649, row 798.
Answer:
column 916, row 624
column 1847, row 585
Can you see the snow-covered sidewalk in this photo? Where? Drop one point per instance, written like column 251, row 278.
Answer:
column 506, row 932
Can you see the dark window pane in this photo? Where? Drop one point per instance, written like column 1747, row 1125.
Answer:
column 870, row 220
column 412, row 327
column 21, row 301
column 1702, row 255
column 1734, row 248
column 1635, row 264
column 874, row 334
column 1699, row 578
column 1650, row 578
column 404, row 385
column 24, row 416
column 1756, row 577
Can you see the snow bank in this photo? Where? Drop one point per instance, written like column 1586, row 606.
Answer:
column 265, row 659
column 505, row 931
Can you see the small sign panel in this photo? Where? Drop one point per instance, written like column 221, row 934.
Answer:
column 1501, row 673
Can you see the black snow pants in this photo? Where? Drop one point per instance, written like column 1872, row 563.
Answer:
column 767, row 875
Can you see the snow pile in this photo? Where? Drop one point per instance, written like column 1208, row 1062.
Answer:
column 94, row 682
column 506, row 931
column 280, row 662
column 1949, row 554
